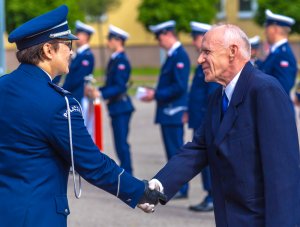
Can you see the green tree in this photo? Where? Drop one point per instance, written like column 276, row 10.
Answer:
column 20, row 11
column 182, row 11
column 287, row 7
column 96, row 8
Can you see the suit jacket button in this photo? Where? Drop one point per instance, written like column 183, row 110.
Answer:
column 66, row 211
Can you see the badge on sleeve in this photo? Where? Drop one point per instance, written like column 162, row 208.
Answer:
column 284, row 64
column 85, row 63
column 73, row 108
column 180, row 65
column 121, row 66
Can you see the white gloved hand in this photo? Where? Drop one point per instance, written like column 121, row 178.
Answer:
column 146, row 207
column 155, row 184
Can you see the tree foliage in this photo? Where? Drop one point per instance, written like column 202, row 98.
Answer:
column 20, row 11
column 97, row 8
column 286, row 7
column 182, row 11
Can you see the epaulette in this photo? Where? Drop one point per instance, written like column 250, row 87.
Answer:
column 59, row 89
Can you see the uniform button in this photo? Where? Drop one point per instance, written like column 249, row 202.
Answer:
column 66, row 211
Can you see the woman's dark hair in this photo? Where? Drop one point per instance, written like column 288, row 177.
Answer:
column 35, row 54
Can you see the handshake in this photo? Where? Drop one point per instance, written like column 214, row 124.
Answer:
column 153, row 195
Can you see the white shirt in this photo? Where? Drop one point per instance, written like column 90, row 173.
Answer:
column 276, row 45
column 229, row 89
column 82, row 48
column 173, row 48
column 115, row 54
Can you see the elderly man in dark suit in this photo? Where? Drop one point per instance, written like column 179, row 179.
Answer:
column 249, row 139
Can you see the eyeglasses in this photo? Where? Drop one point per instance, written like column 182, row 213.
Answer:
column 68, row 43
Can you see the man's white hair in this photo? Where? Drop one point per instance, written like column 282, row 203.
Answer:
column 234, row 35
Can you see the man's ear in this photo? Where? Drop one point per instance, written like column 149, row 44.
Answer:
column 232, row 51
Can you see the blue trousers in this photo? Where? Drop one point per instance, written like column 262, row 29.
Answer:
column 173, row 139
column 120, row 126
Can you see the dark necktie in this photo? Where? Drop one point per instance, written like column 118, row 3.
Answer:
column 224, row 103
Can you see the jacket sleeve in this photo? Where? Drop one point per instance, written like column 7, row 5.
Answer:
column 93, row 165
column 279, row 150
column 185, row 165
column 120, row 78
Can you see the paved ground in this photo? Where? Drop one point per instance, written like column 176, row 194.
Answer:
column 97, row 208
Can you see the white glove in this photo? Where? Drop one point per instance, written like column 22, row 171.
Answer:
column 146, row 207
column 155, row 184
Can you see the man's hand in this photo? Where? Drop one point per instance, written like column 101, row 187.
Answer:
column 155, row 184
column 149, row 95
column 151, row 197
column 91, row 92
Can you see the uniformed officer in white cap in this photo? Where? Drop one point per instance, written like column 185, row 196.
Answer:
column 171, row 91
column 281, row 62
column 255, row 45
column 197, row 107
column 114, row 92
column 42, row 133
column 82, row 63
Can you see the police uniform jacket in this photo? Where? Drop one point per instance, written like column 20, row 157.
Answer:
column 35, row 153
column 282, row 65
column 171, row 90
column 81, row 66
column 254, row 164
column 115, row 88
column 198, row 98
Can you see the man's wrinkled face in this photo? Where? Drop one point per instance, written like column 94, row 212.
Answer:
column 214, row 56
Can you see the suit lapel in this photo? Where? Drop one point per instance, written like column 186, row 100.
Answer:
column 236, row 99
column 216, row 112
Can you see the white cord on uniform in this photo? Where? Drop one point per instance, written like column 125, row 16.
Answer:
column 76, row 191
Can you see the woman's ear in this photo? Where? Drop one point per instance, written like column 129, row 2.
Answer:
column 48, row 51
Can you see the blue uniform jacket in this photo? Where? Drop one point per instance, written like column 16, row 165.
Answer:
column 198, row 98
column 253, row 154
column 35, row 153
column 81, row 66
column 115, row 88
column 282, row 65
column 171, row 90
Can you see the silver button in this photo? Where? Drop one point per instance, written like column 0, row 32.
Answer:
column 66, row 211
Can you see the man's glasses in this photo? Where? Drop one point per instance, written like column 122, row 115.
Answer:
column 68, row 43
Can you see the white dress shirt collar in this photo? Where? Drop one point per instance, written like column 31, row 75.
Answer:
column 277, row 44
column 82, row 48
column 115, row 54
column 173, row 48
column 229, row 89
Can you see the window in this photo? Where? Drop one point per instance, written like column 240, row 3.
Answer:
column 221, row 9
column 247, row 8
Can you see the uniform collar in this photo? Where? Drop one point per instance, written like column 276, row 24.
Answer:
column 231, row 86
column 82, row 48
column 115, row 54
column 47, row 74
column 278, row 44
column 35, row 71
column 173, row 48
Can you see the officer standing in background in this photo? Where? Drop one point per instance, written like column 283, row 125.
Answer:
column 197, row 106
column 42, row 133
column 114, row 91
column 281, row 62
column 171, row 91
column 82, row 63
column 255, row 44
